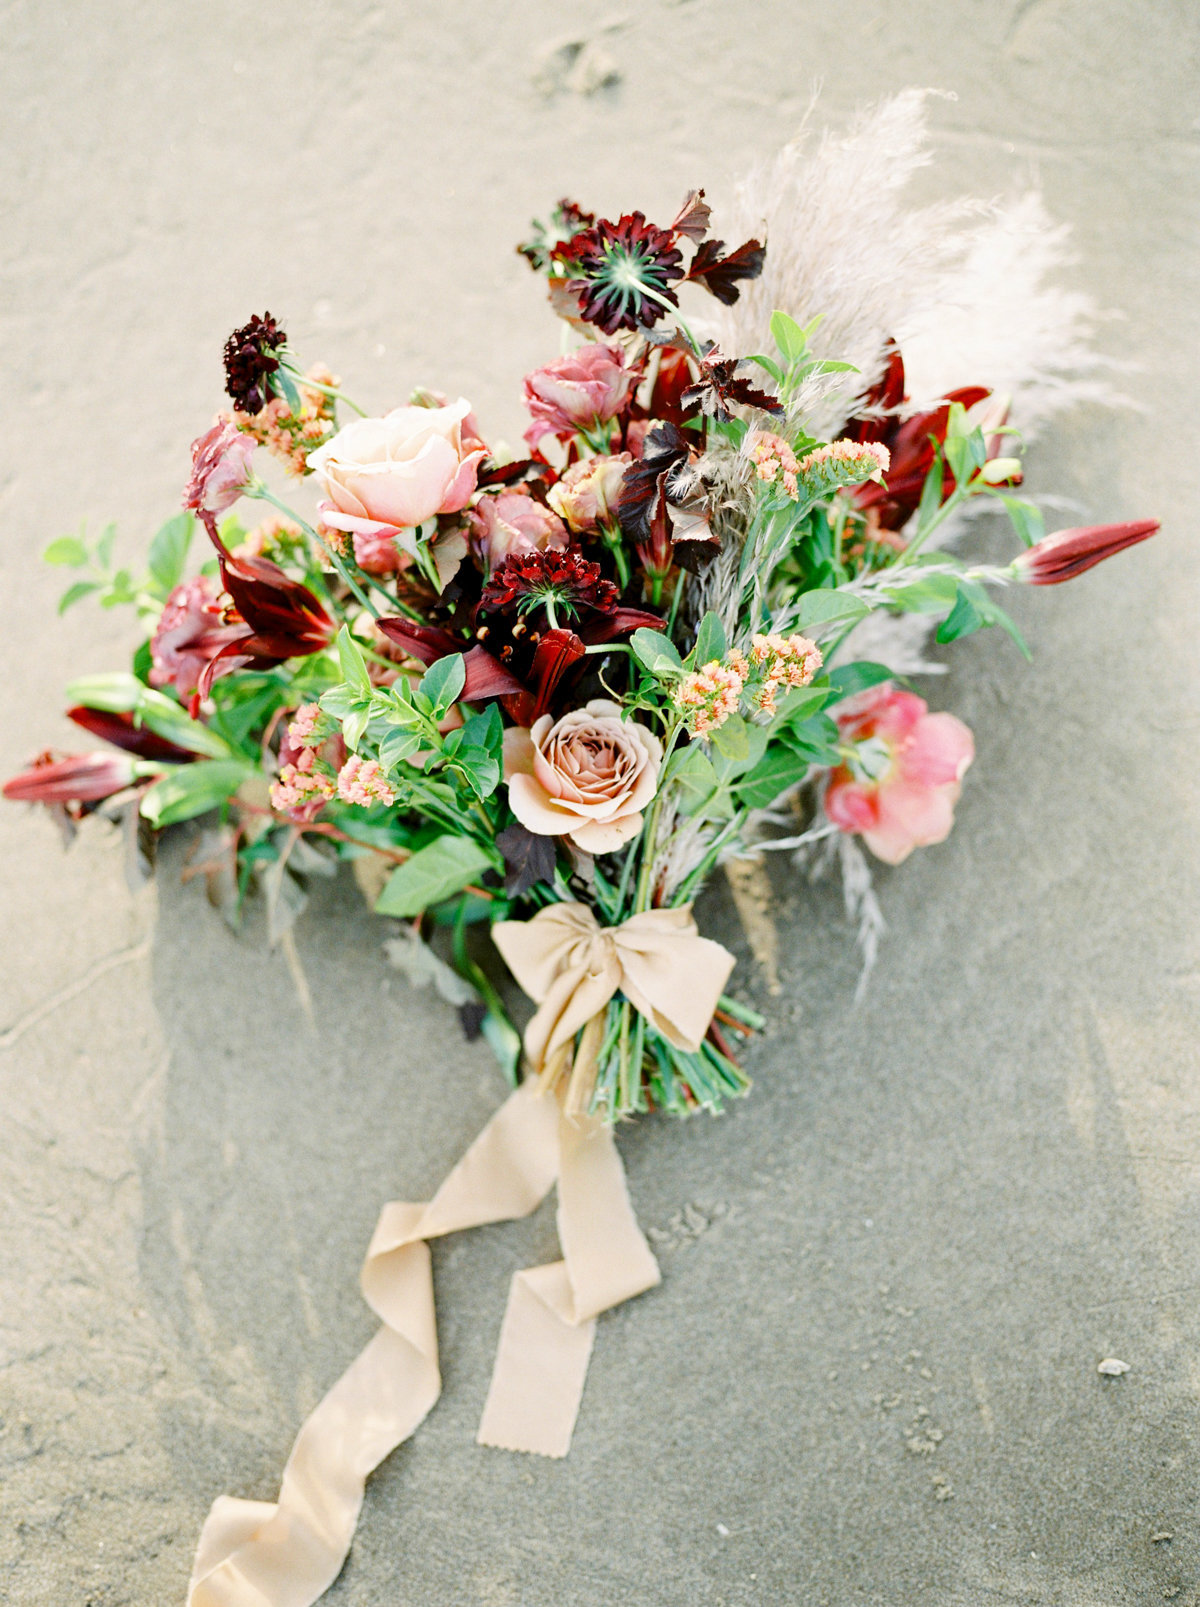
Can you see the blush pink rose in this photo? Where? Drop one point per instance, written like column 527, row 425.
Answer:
column 899, row 789
column 576, row 392
column 513, row 522
column 388, row 474
column 220, row 468
column 587, row 776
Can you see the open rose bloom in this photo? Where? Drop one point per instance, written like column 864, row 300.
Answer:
column 587, row 776
column 384, row 475
column 899, row 787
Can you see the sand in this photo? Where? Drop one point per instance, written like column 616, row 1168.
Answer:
column 870, row 1374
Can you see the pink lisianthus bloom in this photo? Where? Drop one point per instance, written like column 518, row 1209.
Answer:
column 904, row 774
column 586, row 388
column 190, row 633
column 513, row 523
column 384, row 475
column 221, row 460
column 588, row 493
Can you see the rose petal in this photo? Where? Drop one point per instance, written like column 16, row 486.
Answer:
column 604, row 837
column 535, row 810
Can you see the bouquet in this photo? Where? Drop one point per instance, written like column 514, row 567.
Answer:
column 541, row 695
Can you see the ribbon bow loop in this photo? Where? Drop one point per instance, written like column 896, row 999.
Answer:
column 571, row 966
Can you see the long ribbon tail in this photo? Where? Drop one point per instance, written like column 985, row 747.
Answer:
column 287, row 1553
column 546, row 1339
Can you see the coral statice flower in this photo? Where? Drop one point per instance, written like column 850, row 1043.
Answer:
column 362, row 781
column 1068, row 553
column 221, row 460
column 578, row 392
column 622, row 272
column 712, row 693
column 553, row 580
column 903, row 772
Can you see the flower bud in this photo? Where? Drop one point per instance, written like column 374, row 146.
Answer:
column 1069, row 552
column 586, row 496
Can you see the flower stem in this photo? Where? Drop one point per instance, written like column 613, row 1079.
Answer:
column 263, row 494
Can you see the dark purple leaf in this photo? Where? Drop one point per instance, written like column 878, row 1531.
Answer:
column 719, row 274
column 529, row 858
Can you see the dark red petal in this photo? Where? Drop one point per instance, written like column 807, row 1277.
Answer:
column 486, row 677
column 553, row 657
column 117, row 727
column 426, row 643
column 621, row 622
column 79, row 778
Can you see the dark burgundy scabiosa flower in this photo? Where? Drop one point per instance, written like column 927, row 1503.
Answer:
column 622, row 272
column 250, row 359
column 557, row 581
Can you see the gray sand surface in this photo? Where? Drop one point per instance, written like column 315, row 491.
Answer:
column 870, row 1374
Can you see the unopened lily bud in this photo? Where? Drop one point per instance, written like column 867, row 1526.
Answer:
column 1069, row 552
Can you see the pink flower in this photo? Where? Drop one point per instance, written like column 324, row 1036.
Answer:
column 362, row 781
column 587, row 776
column 576, row 392
column 588, row 492
column 1068, row 553
column 899, row 786
column 513, row 523
column 220, row 468
column 77, row 778
column 384, row 475
column 190, row 633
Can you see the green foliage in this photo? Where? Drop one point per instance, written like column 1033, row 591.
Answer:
column 849, row 679
column 193, row 789
column 125, row 694
column 432, row 874
column 657, row 653
column 710, row 640
column 442, row 684
column 165, row 565
column 168, row 553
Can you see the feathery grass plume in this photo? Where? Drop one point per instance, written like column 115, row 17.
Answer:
column 963, row 287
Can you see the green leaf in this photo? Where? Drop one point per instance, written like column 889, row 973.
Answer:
column 928, row 595
column 710, row 640
column 479, row 770
column 283, row 382
column 827, row 607
column 1026, row 519
column 657, row 653
column 193, row 789
column 737, row 746
column 104, row 547
column 73, row 594
column 692, row 774
column 849, row 679
column 121, row 693
column 931, row 493
column 168, row 553
column 815, row 739
column 963, row 619
column 443, row 682
column 432, row 874
column 787, row 334
column 780, row 768
column 397, row 747
column 68, row 550
column 354, row 665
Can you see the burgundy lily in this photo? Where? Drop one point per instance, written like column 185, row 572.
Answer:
column 912, row 443
column 556, row 651
column 279, row 618
column 1068, row 553
column 118, row 727
column 74, row 780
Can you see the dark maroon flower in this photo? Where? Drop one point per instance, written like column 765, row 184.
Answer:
column 912, row 444
column 552, row 580
column 486, row 676
column 191, row 631
column 1068, row 553
column 250, row 360
column 77, row 778
column 622, row 272
column 120, row 728
column 279, row 617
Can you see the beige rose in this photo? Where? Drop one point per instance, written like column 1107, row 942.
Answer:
column 587, row 494
column 587, row 776
column 393, row 473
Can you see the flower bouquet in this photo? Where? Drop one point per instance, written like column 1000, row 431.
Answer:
column 542, row 695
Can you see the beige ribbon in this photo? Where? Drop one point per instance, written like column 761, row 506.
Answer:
column 286, row 1553
column 571, row 966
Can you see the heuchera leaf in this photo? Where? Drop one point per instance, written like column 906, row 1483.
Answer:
column 692, row 218
column 529, row 858
column 719, row 275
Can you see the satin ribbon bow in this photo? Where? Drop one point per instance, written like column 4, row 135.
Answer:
column 571, row 966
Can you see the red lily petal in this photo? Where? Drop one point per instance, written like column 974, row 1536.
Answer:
column 79, row 778
column 116, row 726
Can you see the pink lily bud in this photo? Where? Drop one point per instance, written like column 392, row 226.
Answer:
column 78, row 778
column 1069, row 552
